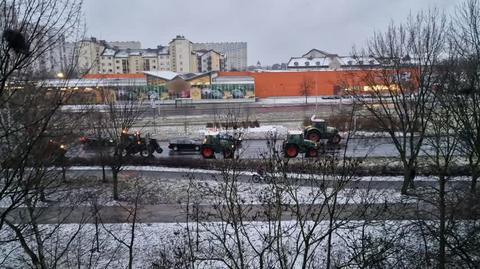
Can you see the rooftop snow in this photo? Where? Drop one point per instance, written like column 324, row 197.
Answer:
column 65, row 83
column 168, row 75
column 108, row 52
column 350, row 60
column 309, row 62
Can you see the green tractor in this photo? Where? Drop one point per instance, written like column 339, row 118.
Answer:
column 217, row 143
column 296, row 143
column 319, row 130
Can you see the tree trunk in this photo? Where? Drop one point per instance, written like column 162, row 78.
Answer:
column 115, row 184
column 64, row 173
column 442, row 243
column 104, row 176
column 473, row 186
column 410, row 171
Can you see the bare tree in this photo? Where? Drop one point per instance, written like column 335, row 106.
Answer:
column 119, row 119
column 463, row 82
column 30, row 28
column 402, row 99
column 306, row 87
column 282, row 226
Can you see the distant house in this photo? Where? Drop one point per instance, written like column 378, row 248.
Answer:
column 320, row 60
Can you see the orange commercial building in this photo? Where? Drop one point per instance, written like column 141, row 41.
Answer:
column 284, row 83
column 277, row 84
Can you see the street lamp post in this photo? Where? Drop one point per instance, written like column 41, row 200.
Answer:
column 154, row 109
column 316, row 95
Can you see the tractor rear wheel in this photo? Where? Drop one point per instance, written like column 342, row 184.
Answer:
column 313, row 136
column 312, row 153
column 335, row 139
column 291, row 151
column 207, row 152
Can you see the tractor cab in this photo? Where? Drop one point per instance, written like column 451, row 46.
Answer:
column 318, row 130
column 320, row 124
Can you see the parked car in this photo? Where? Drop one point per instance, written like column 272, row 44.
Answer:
column 185, row 144
column 237, row 94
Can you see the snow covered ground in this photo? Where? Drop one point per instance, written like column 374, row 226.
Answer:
column 157, row 243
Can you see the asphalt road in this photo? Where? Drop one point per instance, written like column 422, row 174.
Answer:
column 252, row 149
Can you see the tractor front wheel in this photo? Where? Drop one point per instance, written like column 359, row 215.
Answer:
column 144, row 152
column 207, row 152
column 228, row 153
column 312, row 153
column 335, row 139
column 291, row 151
column 313, row 136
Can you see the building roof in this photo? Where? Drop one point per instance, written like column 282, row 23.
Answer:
column 96, row 82
column 117, row 76
column 180, row 37
column 318, row 51
column 109, row 52
column 324, row 62
column 234, row 80
column 169, row 75
column 321, row 62
column 124, row 53
column 357, row 61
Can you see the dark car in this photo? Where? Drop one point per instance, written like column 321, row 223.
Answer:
column 96, row 142
column 185, row 144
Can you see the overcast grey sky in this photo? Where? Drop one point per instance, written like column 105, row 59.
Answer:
column 275, row 30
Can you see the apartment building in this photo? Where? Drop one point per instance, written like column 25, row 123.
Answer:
column 60, row 58
column 101, row 57
column 182, row 57
column 235, row 53
column 210, row 60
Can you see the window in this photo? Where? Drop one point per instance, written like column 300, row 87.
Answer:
column 317, row 63
column 295, row 63
column 117, row 61
column 307, row 63
column 349, row 62
column 110, row 70
column 125, row 66
column 146, row 65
